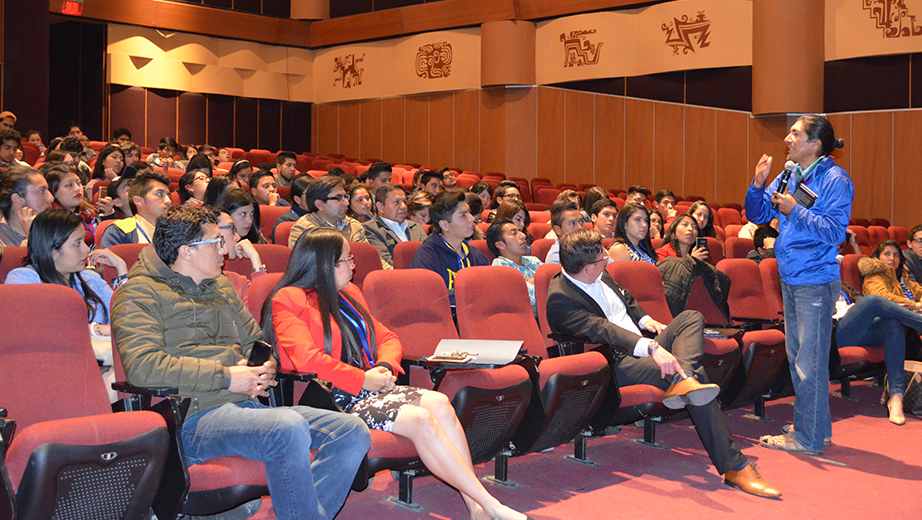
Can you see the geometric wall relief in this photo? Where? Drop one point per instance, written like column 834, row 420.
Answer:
column 578, row 50
column 682, row 34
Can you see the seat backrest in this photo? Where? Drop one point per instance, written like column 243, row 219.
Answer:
column 878, row 221
column 367, row 260
column 863, row 239
column 541, row 246
column 859, row 221
column 100, row 229
column 258, row 291
column 127, row 252
column 900, row 234
column 715, row 250
column 733, row 230
column 539, row 229
column 729, row 216
column 849, row 271
column 267, row 217
column 47, row 367
column 540, row 217
column 414, row 305
column 481, row 246
column 404, row 252
column 699, row 299
column 274, row 256
column 771, row 282
column 283, row 232
column 492, row 303
column 747, row 293
column 644, row 281
column 12, row 258
column 739, row 247
column 877, row 234
column 546, row 195
column 542, row 281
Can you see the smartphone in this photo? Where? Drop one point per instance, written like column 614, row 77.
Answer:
column 103, row 191
column 259, row 354
column 701, row 242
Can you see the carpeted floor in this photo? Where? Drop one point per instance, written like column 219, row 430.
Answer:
column 872, row 470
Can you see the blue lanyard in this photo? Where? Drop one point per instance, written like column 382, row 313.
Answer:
column 360, row 328
column 906, row 291
column 462, row 258
column 845, row 295
column 141, row 230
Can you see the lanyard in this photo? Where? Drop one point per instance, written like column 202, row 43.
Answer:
column 845, row 295
column 141, row 230
column 463, row 259
column 360, row 329
column 906, row 291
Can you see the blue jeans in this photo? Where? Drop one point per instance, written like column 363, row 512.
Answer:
column 808, row 310
column 282, row 438
column 877, row 321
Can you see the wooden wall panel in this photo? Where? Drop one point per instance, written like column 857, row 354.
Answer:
column 668, row 158
column 609, row 142
column 371, row 129
column 467, row 130
column 872, row 164
column 521, row 132
column 127, row 107
column 700, row 165
column 638, row 142
column 192, row 119
column 733, row 171
column 315, row 128
column 842, row 124
column 161, row 115
column 246, row 123
column 552, row 129
column 328, row 129
column 350, row 135
column 579, row 143
column 907, row 191
column 441, row 130
column 220, row 121
column 766, row 136
column 298, row 131
column 492, row 129
column 417, row 129
column 394, row 121
column 270, row 124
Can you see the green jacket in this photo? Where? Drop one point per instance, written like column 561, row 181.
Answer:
column 171, row 333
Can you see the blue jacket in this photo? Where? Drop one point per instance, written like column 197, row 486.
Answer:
column 435, row 255
column 808, row 238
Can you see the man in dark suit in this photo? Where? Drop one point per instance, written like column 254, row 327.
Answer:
column 390, row 226
column 583, row 300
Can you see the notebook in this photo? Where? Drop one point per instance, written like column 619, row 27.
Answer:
column 476, row 351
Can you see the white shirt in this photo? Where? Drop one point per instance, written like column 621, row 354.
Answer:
column 399, row 229
column 147, row 228
column 614, row 309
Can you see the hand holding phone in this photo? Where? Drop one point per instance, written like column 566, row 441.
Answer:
column 259, row 354
column 701, row 242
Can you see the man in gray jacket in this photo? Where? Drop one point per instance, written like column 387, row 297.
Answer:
column 390, row 226
column 178, row 323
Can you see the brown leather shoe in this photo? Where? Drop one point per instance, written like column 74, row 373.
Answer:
column 689, row 391
column 749, row 480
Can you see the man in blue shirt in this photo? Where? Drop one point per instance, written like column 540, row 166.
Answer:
column 814, row 211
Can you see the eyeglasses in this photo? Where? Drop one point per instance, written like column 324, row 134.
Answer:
column 515, row 196
column 230, row 227
column 916, row 240
column 342, row 197
column 350, row 259
column 219, row 240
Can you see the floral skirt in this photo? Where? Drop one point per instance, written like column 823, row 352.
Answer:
column 378, row 410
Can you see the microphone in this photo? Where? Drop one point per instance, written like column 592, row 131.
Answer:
column 785, row 178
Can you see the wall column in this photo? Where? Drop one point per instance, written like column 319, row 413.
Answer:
column 25, row 64
column 788, row 55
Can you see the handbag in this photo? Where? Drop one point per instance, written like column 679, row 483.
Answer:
column 912, row 398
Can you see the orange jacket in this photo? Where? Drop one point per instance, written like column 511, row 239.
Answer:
column 299, row 337
column 880, row 279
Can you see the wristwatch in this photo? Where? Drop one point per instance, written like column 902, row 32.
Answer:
column 652, row 347
column 261, row 268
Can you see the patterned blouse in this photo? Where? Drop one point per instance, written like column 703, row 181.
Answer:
column 528, row 268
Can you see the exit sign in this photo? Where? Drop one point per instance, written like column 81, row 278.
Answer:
column 72, row 7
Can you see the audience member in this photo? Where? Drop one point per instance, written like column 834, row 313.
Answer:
column 912, row 256
column 680, row 240
column 657, row 225
column 360, row 206
column 223, row 156
column 565, row 217
column 238, row 247
column 192, row 187
column 118, row 192
column 418, row 207
column 121, row 135
column 24, row 194
column 202, row 162
column 244, row 211
column 764, row 243
column 7, row 120
column 149, row 197
column 163, row 157
column 131, row 153
column 514, row 211
column 299, row 207
column 71, row 145
column 483, row 190
column 508, row 244
column 264, row 189
column 35, row 137
column 241, row 172
column 327, row 205
column 603, row 215
column 377, row 175
column 475, row 205
column 10, row 141
column 665, row 203
column 109, row 165
column 593, row 195
column 505, row 190
column 162, row 344
column 431, row 181
column 637, row 195
column 446, row 251
column 391, row 226
column 704, row 215
column 884, row 273
column 64, row 184
column 632, row 237
column 286, row 163
column 583, row 300
column 217, row 187
column 449, row 181
column 320, row 323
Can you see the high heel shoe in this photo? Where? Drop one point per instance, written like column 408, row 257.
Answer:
column 895, row 410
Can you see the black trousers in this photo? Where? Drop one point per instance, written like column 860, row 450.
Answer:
column 684, row 338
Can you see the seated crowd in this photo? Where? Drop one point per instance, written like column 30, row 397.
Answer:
column 179, row 320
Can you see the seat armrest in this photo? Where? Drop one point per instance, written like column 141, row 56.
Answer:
column 6, row 433
column 295, row 375
column 123, row 386
column 566, row 345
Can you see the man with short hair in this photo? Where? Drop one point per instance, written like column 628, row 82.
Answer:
column 604, row 213
column 178, row 323
column 390, row 226
column 7, row 120
column 377, row 175
column 287, row 166
column 223, row 156
column 72, row 145
column 131, row 152
column 912, row 256
column 163, row 157
column 565, row 217
column 121, row 201
column 665, row 203
column 449, row 181
column 505, row 190
column 208, row 151
column 149, row 197
column 299, row 208
column 327, row 204
column 764, row 241
column 265, row 190
column 121, row 135
column 510, row 247
column 637, row 195
column 431, row 181
column 583, row 300
column 10, row 141
column 445, row 251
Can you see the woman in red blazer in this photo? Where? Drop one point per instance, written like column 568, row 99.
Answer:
column 320, row 323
